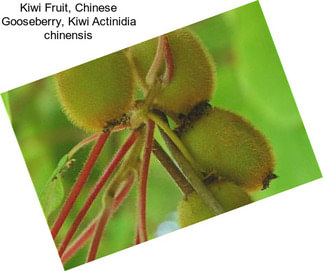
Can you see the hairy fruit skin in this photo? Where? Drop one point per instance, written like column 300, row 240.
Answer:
column 97, row 92
column 194, row 73
column 192, row 209
column 227, row 145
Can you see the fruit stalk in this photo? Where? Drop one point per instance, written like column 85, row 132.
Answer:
column 79, row 242
column 79, row 183
column 137, row 238
column 96, row 190
column 173, row 137
column 100, row 226
column 189, row 67
column 112, row 204
column 82, row 144
column 157, row 62
column 142, row 186
column 118, row 199
column 169, row 60
column 91, row 138
column 88, row 232
column 195, row 179
column 172, row 169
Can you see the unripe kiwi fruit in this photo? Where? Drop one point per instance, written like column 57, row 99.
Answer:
column 194, row 73
column 192, row 208
column 225, row 144
column 97, row 92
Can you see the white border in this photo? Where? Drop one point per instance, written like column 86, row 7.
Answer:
column 22, row 46
column 283, row 232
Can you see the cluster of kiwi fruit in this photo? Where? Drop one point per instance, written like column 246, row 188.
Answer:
column 101, row 91
column 223, row 143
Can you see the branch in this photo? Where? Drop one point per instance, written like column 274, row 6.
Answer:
column 172, row 169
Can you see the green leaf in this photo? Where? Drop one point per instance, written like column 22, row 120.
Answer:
column 62, row 164
column 53, row 193
column 52, row 196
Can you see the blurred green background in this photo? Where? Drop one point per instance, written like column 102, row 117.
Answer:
column 250, row 82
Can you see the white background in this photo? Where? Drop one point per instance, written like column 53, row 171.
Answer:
column 283, row 232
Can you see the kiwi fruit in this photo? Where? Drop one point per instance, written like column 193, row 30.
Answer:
column 225, row 144
column 192, row 208
column 97, row 92
column 194, row 72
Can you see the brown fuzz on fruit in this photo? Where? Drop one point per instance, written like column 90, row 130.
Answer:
column 194, row 73
column 186, row 120
column 192, row 209
column 123, row 120
column 229, row 146
column 98, row 93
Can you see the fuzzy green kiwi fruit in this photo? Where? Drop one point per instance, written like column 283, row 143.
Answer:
column 227, row 145
column 192, row 208
column 97, row 92
column 194, row 72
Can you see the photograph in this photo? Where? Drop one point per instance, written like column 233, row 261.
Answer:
column 161, row 135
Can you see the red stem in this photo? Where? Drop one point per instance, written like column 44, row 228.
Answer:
column 106, row 214
column 120, row 128
column 137, row 240
column 86, row 140
column 142, row 229
column 79, row 242
column 88, row 232
column 152, row 72
column 104, row 218
column 118, row 199
column 97, row 189
column 169, row 60
column 79, row 183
